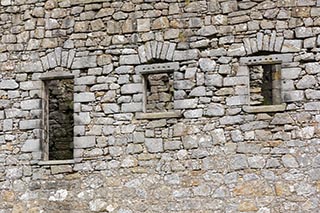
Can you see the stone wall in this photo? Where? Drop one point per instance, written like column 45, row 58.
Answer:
column 213, row 152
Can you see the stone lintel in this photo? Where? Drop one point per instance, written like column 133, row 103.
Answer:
column 157, row 68
column 266, row 108
column 267, row 59
column 158, row 115
column 56, row 75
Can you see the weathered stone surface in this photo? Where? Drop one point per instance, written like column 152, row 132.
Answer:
column 291, row 46
column 84, row 142
column 154, row 145
column 207, row 65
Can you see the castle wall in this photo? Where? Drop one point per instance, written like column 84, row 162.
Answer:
column 214, row 148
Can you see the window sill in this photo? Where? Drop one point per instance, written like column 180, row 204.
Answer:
column 55, row 162
column 158, row 115
column 267, row 108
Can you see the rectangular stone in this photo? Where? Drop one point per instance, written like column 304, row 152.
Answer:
column 30, row 85
column 232, row 81
column 30, row 124
column 142, row 54
column 84, row 142
column 312, row 106
column 31, row 104
column 31, row 145
column 186, row 103
column 291, row 46
column 129, row 60
column 84, row 62
column 84, row 97
column 131, row 88
column 186, row 55
column 131, row 107
column 237, row 100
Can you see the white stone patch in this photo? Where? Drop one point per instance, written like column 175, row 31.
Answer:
column 60, row 195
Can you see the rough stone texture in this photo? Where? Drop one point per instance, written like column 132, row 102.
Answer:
column 207, row 153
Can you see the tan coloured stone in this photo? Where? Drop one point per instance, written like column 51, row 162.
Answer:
column 247, row 206
column 160, row 23
column 256, row 188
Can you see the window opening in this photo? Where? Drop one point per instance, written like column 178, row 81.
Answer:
column 159, row 92
column 265, row 84
column 59, row 118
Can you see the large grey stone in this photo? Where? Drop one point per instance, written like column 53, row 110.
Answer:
column 31, row 145
column 110, row 108
column 84, row 142
column 186, row 55
column 84, row 62
column 307, row 81
column 185, row 104
column 8, row 84
column 154, row 145
column 207, row 65
column 291, row 46
column 30, row 124
column 131, row 88
column 84, row 97
column 131, row 107
column 31, row 104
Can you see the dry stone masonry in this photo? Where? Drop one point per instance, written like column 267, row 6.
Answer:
column 159, row 106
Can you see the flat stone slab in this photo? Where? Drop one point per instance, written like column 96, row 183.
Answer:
column 266, row 108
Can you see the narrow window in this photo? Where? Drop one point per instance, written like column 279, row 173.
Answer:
column 58, row 118
column 158, row 92
column 265, row 84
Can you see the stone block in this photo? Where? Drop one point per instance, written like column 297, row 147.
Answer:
column 111, row 108
column 30, row 104
column 30, row 124
column 131, row 107
column 131, row 88
column 154, row 145
column 8, row 84
column 129, row 60
column 186, row 55
column 86, row 80
column 190, row 142
column 207, row 30
column 303, row 32
column 313, row 68
column 61, row 169
column 82, row 118
column 291, row 46
column 236, row 100
column 215, row 109
column 196, row 113
column 31, row 145
column 84, row 97
column 185, row 104
column 294, row 95
column 207, row 65
column 213, row 80
column 30, row 67
column 290, row 73
column 312, row 106
column 236, row 50
column 306, row 82
column 172, row 145
column 84, row 62
column 84, row 142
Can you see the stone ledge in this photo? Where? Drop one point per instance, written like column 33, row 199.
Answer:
column 56, row 75
column 158, row 115
column 268, row 108
column 55, row 162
